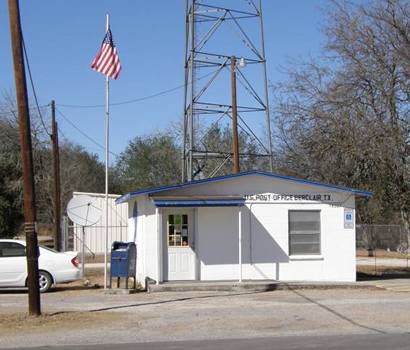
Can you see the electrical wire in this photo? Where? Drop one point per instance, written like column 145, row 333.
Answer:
column 139, row 99
column 33, row 87
column 13, row 111
column 83, row 133
column 62, row 133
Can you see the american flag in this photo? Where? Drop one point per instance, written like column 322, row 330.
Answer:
column 107, row 61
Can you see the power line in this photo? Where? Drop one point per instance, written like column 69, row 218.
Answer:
column 62, row 133
column 60, row 130
column 124, row 102
column 138, row 99
column 32, row 86
column 13, row 111
column 83, row 133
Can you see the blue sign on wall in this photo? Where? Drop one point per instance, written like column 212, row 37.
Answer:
column 348, row 218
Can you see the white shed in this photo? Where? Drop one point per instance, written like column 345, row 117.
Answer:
column 95, row 234
column 247, row 226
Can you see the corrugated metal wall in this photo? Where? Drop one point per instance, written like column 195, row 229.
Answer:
column 95, row 235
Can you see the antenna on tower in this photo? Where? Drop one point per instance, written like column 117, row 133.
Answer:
column 214, row 36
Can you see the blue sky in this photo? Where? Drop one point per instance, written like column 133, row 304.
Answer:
column 62, row 38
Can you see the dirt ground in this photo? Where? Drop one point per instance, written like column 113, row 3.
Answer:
column 94, row 278
column 93, row 317
column 98, row 258
column 81, row 313
column 20, row 323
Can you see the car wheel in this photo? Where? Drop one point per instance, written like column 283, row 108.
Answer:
column 45, row 281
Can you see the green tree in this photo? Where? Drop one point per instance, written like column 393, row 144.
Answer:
column 155, row 160
column 219, row 139
column 148, row 161
column 80, row 171
column 10, row 186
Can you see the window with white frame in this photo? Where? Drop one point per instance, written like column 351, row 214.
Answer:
column 304, row 232
column 178, row 230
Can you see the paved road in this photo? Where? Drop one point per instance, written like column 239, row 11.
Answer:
column 362, row 342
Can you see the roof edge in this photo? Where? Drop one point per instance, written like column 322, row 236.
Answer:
column 126, row 197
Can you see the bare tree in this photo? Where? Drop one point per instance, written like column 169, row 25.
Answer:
column 80, row 170
column 346, row 119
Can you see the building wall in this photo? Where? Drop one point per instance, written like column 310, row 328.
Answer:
column 146, row 240
column 265, row 252
column 217, row 243
column 253, row 184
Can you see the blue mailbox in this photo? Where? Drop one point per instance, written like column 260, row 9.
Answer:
column 123, row 261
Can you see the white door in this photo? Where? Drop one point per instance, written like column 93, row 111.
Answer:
column 13, row 264
column 179, row 234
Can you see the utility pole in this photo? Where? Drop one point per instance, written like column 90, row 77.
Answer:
column 235, row 141
column 56, row 170
column 34, row 308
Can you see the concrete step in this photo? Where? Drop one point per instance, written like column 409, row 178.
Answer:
column 254, row 286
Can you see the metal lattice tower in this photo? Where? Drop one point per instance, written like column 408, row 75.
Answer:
column 214, row 35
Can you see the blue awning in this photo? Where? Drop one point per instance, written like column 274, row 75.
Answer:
column 161, row 203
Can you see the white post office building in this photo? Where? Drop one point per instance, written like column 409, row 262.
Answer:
column 246, row 226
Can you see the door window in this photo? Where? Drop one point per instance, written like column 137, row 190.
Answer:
column 178, row 230
column 11, row 249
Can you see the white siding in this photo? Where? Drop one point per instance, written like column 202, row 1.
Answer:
column 217, row 243
column 147, row 240
column 95, row 235
column 265, row 245
column 265, row 241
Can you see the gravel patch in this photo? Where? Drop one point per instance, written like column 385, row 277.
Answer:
column 169, row 316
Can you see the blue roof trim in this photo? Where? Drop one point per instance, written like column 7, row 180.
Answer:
column 200, row 203
column 152, row 190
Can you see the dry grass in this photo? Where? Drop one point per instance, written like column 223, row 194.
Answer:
column 98, row 258
column 380, row 253
column 11, row 324
column 380, row 271
column 94, row 278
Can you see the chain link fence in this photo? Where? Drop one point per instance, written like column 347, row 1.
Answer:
column 94, row 243
column 382, row 249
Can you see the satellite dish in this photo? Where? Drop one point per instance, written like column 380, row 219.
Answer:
column 83, row 211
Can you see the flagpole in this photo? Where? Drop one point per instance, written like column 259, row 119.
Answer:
column 108, row 63
column 107, row 125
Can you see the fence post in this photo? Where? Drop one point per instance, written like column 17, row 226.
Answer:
column 64, row 231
